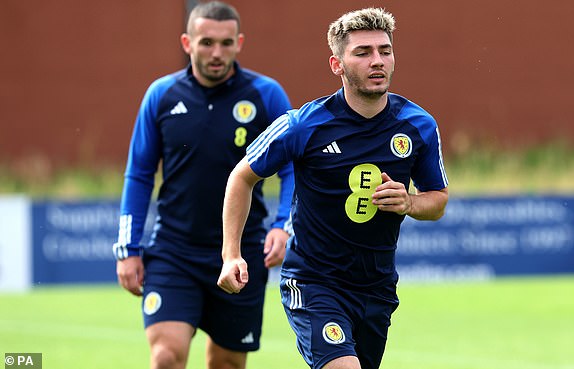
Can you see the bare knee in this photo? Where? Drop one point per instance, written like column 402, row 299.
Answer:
column 169, row 343
column 165, row 357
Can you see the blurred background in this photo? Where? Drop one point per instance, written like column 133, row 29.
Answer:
column 495, row 74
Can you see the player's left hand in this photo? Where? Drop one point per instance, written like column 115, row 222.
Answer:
column 274, row 247
column 392, row 196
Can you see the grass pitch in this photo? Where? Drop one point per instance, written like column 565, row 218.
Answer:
column 519, row 323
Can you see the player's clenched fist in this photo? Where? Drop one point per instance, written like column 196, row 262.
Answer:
column 234, row 276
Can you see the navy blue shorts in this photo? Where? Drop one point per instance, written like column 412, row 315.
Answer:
column 183, row 287
column 331, row 322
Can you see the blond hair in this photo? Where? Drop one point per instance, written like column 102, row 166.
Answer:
column 369, row 19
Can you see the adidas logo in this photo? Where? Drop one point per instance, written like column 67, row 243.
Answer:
column 248, row 338
column 178, row 109
column 332, row 148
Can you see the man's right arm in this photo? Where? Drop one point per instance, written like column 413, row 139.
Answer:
column 143, row 158
column 236, row 205
column 134, row 206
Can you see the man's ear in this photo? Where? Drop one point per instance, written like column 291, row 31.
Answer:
column 336, row 65
column 240, row 41
column 185, row 43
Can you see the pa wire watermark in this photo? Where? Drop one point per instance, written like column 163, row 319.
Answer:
column 13, row 360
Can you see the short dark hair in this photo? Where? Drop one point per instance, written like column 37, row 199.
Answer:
column 216, row 10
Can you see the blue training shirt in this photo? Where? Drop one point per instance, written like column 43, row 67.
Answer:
column 199, row 134
column 338, row 157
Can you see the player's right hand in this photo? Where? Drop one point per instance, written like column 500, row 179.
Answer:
column 130, row 273
column 234, row 276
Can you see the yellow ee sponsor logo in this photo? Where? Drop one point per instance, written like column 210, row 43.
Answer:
column 363, row 180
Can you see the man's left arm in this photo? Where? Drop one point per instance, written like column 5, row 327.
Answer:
column 393, row 197
column 429, row 177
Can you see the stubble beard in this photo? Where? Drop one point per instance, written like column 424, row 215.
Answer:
column 371, row 94
column 213, row 77
column 355, row 83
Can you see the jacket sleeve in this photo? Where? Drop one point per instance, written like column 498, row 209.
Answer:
column 277, row 105
column 143, row 159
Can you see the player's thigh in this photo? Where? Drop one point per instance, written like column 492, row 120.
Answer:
column 371, row 332
column 344, row 362
column 219, row 357
column 170, row 338
column 170, row 293
column 322, row 320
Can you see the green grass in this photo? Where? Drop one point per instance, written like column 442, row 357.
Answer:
column 509, row 323
column 521, row 323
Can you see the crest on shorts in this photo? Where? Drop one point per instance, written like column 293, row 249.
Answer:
column 152, row 303
column 332, row 333
column 401, row 145
column 244, row 111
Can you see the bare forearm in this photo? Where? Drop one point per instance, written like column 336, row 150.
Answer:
column 428, row 205
column 236, row 207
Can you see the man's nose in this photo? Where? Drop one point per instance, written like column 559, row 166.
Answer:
column 217, row 50
column 377, row 60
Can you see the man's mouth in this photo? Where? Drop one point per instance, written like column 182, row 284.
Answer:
column 215, row 65
column 377, row 76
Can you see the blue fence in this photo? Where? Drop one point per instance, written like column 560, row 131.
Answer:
column 485, row 237
column 72, row 241
column 478, row 238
